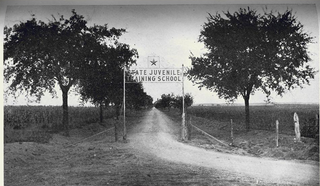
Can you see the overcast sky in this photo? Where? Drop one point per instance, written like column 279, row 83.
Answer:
column 170, row 32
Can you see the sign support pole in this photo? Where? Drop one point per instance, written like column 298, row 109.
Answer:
column 184, row 131
column 124, row 104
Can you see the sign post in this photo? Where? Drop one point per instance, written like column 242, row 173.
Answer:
column 277, row 133
column 182, row 90
column 231, row 132
column 183, row 127
column 124, row 104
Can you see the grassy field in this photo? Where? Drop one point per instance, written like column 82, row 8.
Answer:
column 261, row 117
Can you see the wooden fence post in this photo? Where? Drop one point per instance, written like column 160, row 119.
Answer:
column 317, row 121
column 231, row 132
column 277, row 133
column 296, row 127
column 316, row 128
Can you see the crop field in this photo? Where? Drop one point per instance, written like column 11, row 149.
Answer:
column 261, row 117
column 50, row 116
column 21, row 123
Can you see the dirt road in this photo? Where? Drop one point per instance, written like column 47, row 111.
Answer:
column 158, row 135
column 153, row 155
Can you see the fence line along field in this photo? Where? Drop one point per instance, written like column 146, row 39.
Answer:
column 24, row 122
column 263, row 117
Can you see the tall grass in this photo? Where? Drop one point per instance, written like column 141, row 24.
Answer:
column 261, row 117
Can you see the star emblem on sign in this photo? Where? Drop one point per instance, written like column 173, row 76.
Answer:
column 153, row 62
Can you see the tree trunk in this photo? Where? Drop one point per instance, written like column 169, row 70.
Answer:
column 101, row 112
column 246, row 102
column 116, row 131
column 231, row 133
column 189, row 128
column 65, row 117
column 117, row 107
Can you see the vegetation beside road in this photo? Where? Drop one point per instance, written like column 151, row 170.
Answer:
column 261, row 140
column 37, row 123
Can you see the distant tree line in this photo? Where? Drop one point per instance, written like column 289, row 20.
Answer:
column 171, row 101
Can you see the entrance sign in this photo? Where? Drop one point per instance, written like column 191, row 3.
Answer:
column 168, row 75
column 154, row 74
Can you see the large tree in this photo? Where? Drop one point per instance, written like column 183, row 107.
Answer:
column 248, row 51
column 39, row 55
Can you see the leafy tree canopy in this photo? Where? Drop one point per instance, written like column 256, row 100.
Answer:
column 103, row 78
column 38, row 54
column 248, row 51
